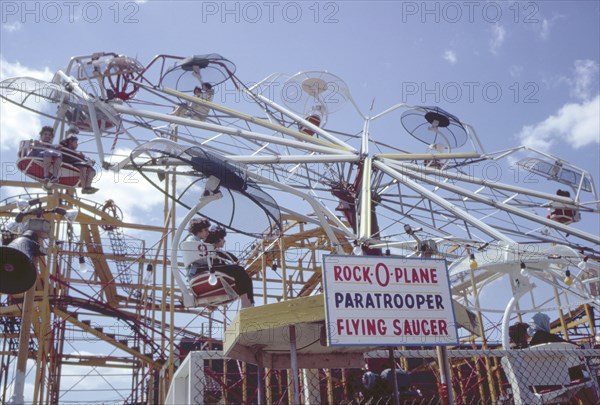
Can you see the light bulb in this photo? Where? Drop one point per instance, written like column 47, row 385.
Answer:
column 83, row 268
column 568, row 279
column 472, row 262
column 22, row 204
column 212, row 279
column 583, row 263
column 524, row 271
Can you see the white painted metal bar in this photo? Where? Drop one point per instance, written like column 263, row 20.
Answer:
column 402, row 178
column 423, row 156
column 122, row 109
column 304, row 122
column 364, row 228
column 333, row 142
column 292, row 159
column 477, row 180
column 508, row 208
column 310, row 200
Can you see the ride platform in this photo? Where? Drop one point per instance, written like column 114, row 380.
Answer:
column 264, row 336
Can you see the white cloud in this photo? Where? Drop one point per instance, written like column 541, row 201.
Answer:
column 544, row 29
column 7, row 192
column 498, row 36
column 8, row 69
column 130, row 190
column 515, row 70
column 12, row 27
column 93, row 379
column 544, row 25
column 584, row 84
column 17, row 123
column 575, row 124
column 541, row 25
column 450, row 56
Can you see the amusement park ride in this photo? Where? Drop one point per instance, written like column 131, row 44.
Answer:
column 274, row 165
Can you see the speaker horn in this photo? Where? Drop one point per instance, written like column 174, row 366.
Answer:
column 17, row 271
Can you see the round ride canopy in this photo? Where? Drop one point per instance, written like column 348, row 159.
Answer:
column 244, row 208
column 433, row 126
column 192, row 71
column 307, row 92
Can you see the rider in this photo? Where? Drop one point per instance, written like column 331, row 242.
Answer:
column 198, row 230
column 206, row 93
column 540, row 330
column 228, row 264
column 78, row 159
column 51, row 158
column 193, row 110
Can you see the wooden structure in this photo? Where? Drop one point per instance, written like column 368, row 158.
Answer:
column 261, row 335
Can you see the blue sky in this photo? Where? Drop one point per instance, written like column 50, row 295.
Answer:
column 540, row 55
column 519, row 72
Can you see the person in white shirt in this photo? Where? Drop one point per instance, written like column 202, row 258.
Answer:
column 228, row 264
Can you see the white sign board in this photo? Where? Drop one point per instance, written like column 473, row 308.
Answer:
column 388, row 301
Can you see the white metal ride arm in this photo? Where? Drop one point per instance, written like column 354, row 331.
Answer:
column 402, row 178
column 403, row 174
column 364, row 228
column 322, row 214
column 346, row 147
column 122, row 109
column 331, row 141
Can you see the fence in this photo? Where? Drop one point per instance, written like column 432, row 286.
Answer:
column 555, row 373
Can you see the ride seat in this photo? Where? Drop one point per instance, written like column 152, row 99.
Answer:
column 25, row 148
column 202, row 254
column 527, row 372
column 564, row 215
column 220, row 293
column 313, row 119
column 432, row 163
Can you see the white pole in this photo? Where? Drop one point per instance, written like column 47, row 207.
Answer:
column 18, row 398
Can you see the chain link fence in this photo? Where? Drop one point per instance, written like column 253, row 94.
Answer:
column 556, row 373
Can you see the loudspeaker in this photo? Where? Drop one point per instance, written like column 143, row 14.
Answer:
column 17, row 272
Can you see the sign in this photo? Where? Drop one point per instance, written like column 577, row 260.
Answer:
column 388, row 301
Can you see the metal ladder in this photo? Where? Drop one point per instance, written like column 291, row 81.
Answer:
column 119, row 248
